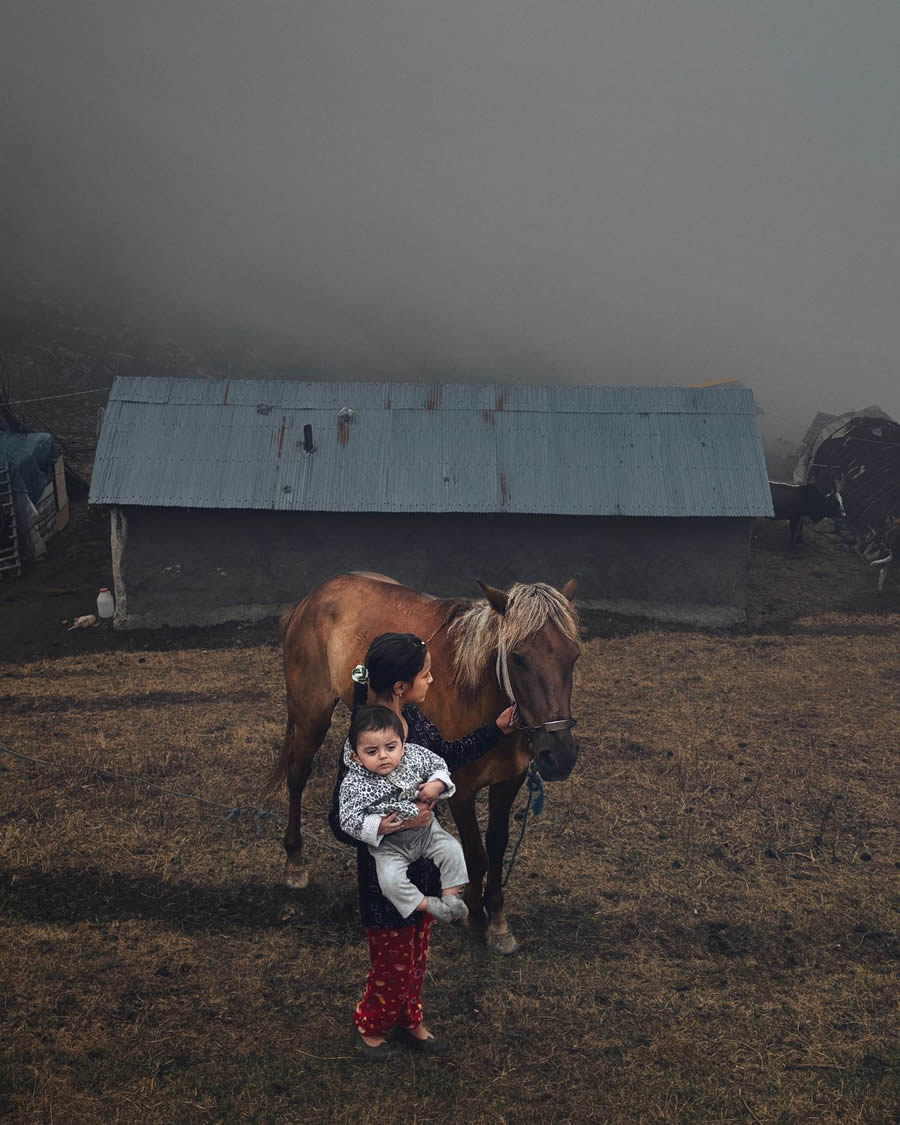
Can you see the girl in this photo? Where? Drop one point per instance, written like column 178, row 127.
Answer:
column 398, row 673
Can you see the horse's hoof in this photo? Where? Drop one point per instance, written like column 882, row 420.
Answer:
column 503, row 941
column 296, row 878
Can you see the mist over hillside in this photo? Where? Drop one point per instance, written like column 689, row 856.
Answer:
column 663, row 193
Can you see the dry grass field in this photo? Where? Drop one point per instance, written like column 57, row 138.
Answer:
column 706, row 909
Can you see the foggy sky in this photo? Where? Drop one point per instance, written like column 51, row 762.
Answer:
column 648, row 191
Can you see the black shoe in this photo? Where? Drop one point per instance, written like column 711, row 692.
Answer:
column 383, row 1051
column 405, row 1037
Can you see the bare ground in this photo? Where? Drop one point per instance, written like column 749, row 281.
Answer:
column 706, row 908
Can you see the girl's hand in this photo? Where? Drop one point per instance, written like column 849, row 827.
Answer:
column 506, row 720
column 424, row 818
column 391, row 823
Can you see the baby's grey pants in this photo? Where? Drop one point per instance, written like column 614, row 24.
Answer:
column 396, row 852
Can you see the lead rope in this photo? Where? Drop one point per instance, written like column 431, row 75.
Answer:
column 535, row 804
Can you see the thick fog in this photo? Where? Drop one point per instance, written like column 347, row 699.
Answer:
column 648, row 191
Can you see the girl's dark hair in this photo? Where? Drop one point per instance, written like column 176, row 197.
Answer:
column 373, row 718
column 391, row 657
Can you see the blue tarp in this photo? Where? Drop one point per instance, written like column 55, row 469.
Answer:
column 31, row 458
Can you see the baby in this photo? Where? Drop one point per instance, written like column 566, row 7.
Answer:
column 387, row 783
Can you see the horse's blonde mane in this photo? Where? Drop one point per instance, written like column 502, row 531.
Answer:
column 479, row 631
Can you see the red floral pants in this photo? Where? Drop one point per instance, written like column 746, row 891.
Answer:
column 394, row 982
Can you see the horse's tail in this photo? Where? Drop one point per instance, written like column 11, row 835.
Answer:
column 279, row 770
column 284, row 622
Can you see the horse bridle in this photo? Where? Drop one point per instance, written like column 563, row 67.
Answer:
column 506, row 684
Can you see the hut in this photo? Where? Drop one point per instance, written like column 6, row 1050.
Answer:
column 230, row 499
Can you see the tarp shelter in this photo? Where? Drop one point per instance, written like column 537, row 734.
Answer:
column 861, row 450
column 37, row 483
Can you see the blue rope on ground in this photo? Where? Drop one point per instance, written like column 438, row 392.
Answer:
column 535, row 806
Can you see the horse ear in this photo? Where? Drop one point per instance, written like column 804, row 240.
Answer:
column 498, row 599
column 568, row 591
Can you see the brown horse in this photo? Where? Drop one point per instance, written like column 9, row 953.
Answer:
column 522, row 643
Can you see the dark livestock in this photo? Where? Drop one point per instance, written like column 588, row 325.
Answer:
column 796, row 502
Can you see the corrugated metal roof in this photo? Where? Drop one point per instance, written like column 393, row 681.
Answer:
column 409, row 447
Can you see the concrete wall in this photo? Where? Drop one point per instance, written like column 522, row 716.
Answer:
column 175, row 566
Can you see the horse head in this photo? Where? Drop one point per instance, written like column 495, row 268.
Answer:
column 537, row 646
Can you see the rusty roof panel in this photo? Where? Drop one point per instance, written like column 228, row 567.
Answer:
column 405, row 447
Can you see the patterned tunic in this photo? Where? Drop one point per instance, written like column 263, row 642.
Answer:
column 375, row 909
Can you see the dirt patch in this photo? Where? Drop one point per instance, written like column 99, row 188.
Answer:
column 705, row 908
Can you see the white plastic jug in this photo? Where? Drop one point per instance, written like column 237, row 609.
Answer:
column 106, row 607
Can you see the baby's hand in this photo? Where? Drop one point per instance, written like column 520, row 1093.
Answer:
column 430, row 793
